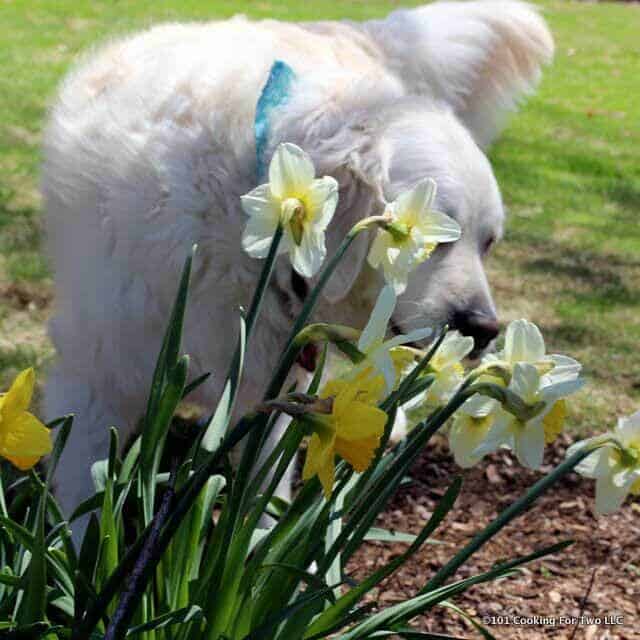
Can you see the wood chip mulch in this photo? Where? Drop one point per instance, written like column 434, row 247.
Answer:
column 596, row 580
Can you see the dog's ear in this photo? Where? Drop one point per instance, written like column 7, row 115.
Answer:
column 481, row 58
column 359, row 198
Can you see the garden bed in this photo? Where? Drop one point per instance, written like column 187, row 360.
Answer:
column 606, row 550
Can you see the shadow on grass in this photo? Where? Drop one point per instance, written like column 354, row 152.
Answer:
column 20, row 239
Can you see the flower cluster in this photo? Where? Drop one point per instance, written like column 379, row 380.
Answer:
column 303, row 206
column 532, row 410
column 514, row 399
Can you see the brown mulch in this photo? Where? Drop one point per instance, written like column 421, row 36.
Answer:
column 596, row 577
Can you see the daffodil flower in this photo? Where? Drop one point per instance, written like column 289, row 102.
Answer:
column 23, row 438
column 615, row 465
column 524, row 343
column 385, row 355
column 527, row 437
column 297, row 200
column 447, row 369
column 471, row 428
column 352, row 430
column 411, row 232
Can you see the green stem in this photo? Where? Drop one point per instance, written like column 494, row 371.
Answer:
column 294, row 342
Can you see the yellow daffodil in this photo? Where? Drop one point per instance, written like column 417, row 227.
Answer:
column 352, row 430
column 615, row 466
column 412, row 231
column 386, row 356
column 23, row 438
column 294, row 198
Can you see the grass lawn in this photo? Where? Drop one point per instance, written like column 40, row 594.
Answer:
column 568, row 164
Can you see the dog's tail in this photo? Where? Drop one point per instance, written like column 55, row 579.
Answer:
column 480, row 57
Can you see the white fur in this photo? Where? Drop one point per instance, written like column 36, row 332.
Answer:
column 150, row 145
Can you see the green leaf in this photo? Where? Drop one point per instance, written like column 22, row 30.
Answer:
column 192, row 386
column 33, row 605
column 108, row 557
column 167, row 387
column 331, row 616
column 382, row 535
column 9, row 579
column 486, row 634
column 86, row 565
column 155, row 433
column 266, row 630
column 58, row 447
column 412, row 634
column 181, row 616
column 219, row 422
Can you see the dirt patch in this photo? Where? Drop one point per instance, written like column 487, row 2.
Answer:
column 596, row 577
column 25, row 295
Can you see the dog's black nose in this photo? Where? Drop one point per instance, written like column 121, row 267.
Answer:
column 481, row 327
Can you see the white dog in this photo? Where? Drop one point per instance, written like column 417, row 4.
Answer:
column 151, row 145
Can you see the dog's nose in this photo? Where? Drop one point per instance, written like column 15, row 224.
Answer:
column 481, row 327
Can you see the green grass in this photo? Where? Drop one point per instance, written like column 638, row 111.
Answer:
column 568, row 165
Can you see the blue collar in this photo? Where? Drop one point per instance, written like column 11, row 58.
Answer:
column 275, row 93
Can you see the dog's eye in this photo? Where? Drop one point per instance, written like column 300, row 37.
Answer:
column 489, row 242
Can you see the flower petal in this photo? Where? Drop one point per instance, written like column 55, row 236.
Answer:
column 320, row 462
column 523, row 342
column 321, row 200
column 383, row 362
column 307, row 258
column 564, row 367
column 525, row 381
column 258, row 234
column 24, row 439
column 290, row 172
column 436, row 227
column 376, row 328
column 18, row 398
column 378, row 250
column 454, row 348
column 466, row 436
column 358, row 453
column 609, row 496
column 628, row 429
column 359, row 420
column 413, row 336
column 411, row 205
column 553, row 421
column 529, row 445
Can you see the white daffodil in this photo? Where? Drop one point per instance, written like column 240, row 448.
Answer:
column 524, row 343
column 615, row 465
column 471, row 429
column 527, row 437
column 379, row 352
column 295, row 198
column 411, row 233
column 446, row 367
